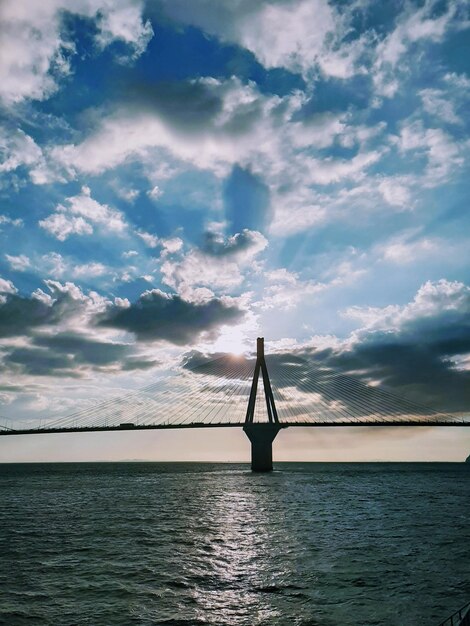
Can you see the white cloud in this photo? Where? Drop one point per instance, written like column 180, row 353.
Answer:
column 438, row 104
column 4, row 219
column 155, row 193
column 330, row 170
column 318, row 131
column 34, row 53
column 84, row 305
column 6, row 286
column 62, row 226
column 282, row 275
column 442, row 153
column 17, row 149
column 395, row 190
column 433, row 299
column 401, row 250
column 150, row 240
column 458, row 81
column 298, row 35
column 172, row 245
column 78, row 216
column 122, row 20
column 129, row 195
column 123, row 303
column 89, row 270
column 239, row 132
column 198, row 272
column 286, row 295
column 296, row 210
column 54, row 264
column 291, row 35
column 42, row 296
column 412, row 26
column 19, row 263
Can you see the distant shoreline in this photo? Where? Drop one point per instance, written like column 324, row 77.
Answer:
column 137, row 461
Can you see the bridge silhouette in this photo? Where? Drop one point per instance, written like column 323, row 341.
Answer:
column 224, row 392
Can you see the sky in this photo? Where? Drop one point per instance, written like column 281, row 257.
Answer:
column 179, row 177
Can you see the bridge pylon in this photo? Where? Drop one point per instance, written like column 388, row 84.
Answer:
column 261, row 434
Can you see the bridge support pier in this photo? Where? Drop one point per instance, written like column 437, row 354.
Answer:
column 261, row 436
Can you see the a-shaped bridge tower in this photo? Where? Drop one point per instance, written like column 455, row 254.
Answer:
column 261, row 434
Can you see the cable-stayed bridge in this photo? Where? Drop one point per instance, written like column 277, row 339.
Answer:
column 262, row 395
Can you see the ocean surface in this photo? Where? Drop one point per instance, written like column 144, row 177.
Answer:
column 312, row 544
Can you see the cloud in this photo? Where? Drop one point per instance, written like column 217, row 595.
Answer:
column 150, row 240
column 18, row 263
column 80, row 214
column 160, row 316
column 396, row 190
column 205, row 122
column 216, row 245
column 216, row 265
column 38, row 362
column 443, row 154
column 62, row 226
column 6, row 286
column 64, row 303
column 155, row 193
column 123, row 21
column 296, row 209
column 36, row 51
column 70, row 354
column 171, row 245
column 406, row 248
column 330, row 170
column 90, row 270
column 414, row 25
column 261, row 143
column 436, row 102
column 4, row 219
column 67, row 332
column 58, row 266
column 285, row 290
column 17, row 149
column 298, row 35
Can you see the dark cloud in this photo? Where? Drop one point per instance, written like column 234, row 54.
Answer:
column 19, row 314
column 71, row 354
column 134, row 363
column 185, row 105
column 216, row 245
column 157, row 315
column 84, row 350
column 423, row 373
column 39, row 362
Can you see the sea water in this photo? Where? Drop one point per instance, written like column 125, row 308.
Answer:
column 311, row 544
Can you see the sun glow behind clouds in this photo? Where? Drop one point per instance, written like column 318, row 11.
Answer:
column 233, row 340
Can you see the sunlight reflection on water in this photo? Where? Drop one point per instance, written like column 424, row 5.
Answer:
column 188, row 544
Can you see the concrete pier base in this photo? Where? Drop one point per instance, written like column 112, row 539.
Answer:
column 261, row 437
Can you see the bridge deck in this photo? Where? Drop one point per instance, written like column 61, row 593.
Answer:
column 326, row 424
